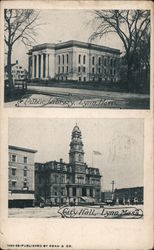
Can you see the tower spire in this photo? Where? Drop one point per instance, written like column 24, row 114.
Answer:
column 76, row 146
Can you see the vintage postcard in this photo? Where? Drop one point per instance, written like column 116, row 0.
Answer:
column 68, row 172
column 77, row 58
column 76, row 165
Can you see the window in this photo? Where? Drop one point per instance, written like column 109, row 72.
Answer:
column 59, row 59
column 63, row 59
column 79, row 69
column 67, row 69
column 55, row 191
column 40, row 180
column 84, row 69
column 67, row 59
column 99, row 61
column 93, row 70
column 84, row 193
column 79, row 79
column 111, row 62
column 105, row 62
column 79, row 157
column 79, row 59
column 93, row 60
column 91, row 192
column 25, row 171
column 62, row 179
column 110, row 71
column 74, row 191
column 84, row 59
column 62, row 191
column 99, row 70
column 58, row 70
column 14, row 158
column 13, row 184
column 55, row 178
column 114, row 71
column 115, row 62
column 13, row 171
column 63, row 69
column 25, row 184
column 25, row 159
column 84, row 78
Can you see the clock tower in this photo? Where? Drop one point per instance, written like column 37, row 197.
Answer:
column 76, row 153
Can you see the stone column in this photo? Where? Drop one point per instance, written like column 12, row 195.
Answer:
column 93, row 193
column 37, row 66
column 88, row 192
column 41, row 66
column 33, row 65
column 46, row 66
column 70, row 192
column 77, row 191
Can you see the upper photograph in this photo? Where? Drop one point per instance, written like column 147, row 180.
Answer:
column 77, row 58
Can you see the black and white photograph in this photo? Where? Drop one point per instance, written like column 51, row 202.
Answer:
column 76, row 168
column 77, row 58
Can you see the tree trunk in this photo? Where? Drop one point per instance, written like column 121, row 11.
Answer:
column 9, row 70
column 129, row 76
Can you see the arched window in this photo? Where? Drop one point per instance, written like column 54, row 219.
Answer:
column 79, row 59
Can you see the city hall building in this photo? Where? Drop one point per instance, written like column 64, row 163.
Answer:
column 73, row 60
column 66, row 183
column 21, row 176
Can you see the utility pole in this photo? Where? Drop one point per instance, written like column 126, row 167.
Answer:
column 112, row 183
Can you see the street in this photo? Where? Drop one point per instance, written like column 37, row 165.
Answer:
column 39, row 96
column 49, row 212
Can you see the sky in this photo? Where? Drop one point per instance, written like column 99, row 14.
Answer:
column 64, row 25
column 120, row 142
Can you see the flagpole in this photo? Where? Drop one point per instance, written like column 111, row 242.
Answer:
column 92, row 159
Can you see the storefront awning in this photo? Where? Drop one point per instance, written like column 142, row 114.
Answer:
column 87, row 199
column 20, row 196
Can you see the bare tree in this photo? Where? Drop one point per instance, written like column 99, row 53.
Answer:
column 129, row 25
column 20, row 24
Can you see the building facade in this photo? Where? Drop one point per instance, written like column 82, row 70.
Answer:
column 66, row 183
column 73, row 60
column 21, row 176
column 19, row 74
column 131, row 195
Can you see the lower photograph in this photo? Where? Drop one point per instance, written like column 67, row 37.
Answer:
column 76, row 168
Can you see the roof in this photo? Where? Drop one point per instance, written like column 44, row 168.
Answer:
column 22, row 149
column 76, row 129
column 74, row 43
